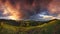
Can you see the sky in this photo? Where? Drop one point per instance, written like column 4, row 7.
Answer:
column 30, row 9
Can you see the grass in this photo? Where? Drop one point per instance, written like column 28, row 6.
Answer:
column 53, row 27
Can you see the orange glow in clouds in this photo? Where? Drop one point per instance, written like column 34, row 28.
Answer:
column 14, row 13
column 54, row 7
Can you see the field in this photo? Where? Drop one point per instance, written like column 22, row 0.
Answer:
column 29, row 27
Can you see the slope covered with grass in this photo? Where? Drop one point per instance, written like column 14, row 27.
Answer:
column 52, row 27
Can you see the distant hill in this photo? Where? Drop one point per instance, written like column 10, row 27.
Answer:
column 53, row 27
column 22, row 22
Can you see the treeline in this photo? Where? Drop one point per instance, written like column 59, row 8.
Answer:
column 22, row 22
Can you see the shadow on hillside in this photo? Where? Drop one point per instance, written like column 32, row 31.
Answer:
column 22, row 22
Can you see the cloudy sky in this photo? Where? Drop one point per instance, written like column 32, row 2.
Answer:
column 30, row 9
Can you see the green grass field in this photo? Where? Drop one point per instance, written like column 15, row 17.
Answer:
column 52, row 27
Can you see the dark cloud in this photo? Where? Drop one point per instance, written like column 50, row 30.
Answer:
column 26, row 6
column 1, row 12
column 13, row 2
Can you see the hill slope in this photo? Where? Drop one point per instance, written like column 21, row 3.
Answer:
column 52, row 27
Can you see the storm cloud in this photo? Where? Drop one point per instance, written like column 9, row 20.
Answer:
column 28, row 8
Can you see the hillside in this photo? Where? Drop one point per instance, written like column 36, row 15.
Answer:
column 29, row 27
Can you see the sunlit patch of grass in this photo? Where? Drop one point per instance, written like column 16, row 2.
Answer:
column 9, row 27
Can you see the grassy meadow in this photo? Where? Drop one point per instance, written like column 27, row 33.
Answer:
column 29, row 27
